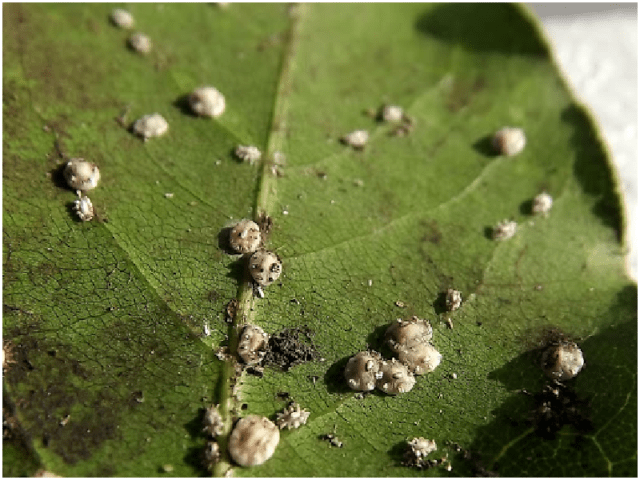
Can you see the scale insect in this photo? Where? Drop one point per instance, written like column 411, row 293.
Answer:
column 253, row 441
column 265, row 267
column 207, row 102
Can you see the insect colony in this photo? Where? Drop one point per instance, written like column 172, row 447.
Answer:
column 253, row 439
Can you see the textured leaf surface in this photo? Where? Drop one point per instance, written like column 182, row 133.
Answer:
column 104, row 321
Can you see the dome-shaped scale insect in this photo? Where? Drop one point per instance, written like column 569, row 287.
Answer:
column 253, row 441
column 362, row 371
column 81, row 175
column 245, row 236
column 396, row 378
column 265, row 267
column 509, row 141
column 207, row 102
column 252, row 344
column 408, row 333
column 562, row 361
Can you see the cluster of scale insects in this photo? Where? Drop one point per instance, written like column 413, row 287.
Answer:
column 253, row 439
column 204, row 101
column 410, row 342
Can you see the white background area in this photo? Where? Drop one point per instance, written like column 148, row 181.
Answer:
column 596, row 47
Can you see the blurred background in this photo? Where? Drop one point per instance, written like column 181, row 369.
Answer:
column 596, row 47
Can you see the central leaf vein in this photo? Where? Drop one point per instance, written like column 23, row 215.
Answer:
column 265, row 197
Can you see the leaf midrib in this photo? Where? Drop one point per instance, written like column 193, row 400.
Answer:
column 265, row 196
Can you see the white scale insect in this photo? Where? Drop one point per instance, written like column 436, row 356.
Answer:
column 292, row 417
column 140, row 42
column 396, row 378
column 509, row 141
column 356, row 139
column 81, row 175
column 542, row 204
column 453, row 299
column 392, row 113
column 562, row 361
column 149, row 126
column 248, row 153
column 121, row 18
column 253, row 441
column 213, row 424
column 362, row 371
column 265, row 267
column 245, row 236
column 252, row 344
column 84, row 208
column 504, row 230
column 410, row 341
column 207, row 102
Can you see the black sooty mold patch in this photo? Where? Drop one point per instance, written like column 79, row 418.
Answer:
column 291, row 347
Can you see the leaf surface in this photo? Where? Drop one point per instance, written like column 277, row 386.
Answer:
column 109, row 366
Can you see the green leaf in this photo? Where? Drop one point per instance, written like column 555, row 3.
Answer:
column 108, row 367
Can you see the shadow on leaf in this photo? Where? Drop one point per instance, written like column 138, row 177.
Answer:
column 592, row 170
column 440, row 303
column 57, row 177
column 484, row 146
column 223, row 241
column 182, row 104
column 334, row 378
column 397, row 451
column 526, row 207
column 483, row 27
column 375, row 340
column 554, row 422
column 194, row 455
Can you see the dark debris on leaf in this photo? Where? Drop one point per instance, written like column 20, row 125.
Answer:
column 290, row 348
column 332, row 439
column 558, row 405
column 230, row 310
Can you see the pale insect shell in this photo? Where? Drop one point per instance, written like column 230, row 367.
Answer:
column 252, row 344
column 563, row 361
column 81, row 175
column 211, row 454
column 419, row 359
column 245, row 236
column 207, row 102
column 140, row 42
column 356, row 139
column 265, row 267
column 213, row 424
column 253, row 441
column 542, row 203
column 392, row 113
column 362, row 371
column 509, row 141
column 152, row 125
column 421, row 447
column 248, row 153
column 453, row 299
column 84, row 208
column 292, row 417
column 505, row 230
column 395, row 378
column 408, row 333
column 121, row 18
